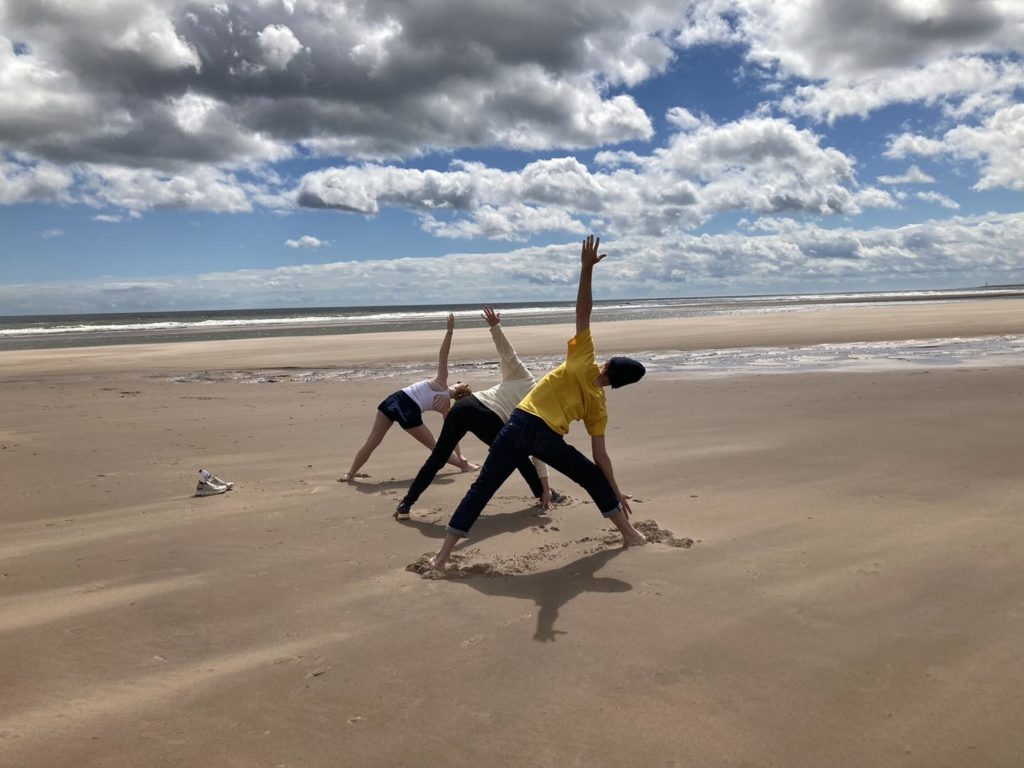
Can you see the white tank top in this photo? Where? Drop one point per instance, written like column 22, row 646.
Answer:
column 425, row 396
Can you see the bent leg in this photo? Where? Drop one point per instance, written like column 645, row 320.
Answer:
column 381, row 425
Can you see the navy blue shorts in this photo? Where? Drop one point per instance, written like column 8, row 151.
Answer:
column 403, row 409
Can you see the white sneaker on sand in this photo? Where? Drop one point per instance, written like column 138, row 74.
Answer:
column 226, row 483
column 209, row 488
column 205, row 476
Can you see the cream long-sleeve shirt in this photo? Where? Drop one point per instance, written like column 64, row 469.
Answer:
column 516, row 381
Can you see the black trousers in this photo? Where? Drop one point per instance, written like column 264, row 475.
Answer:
column 467, row 415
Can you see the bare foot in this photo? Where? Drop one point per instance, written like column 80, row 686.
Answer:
column 469, row 466
column 348, row 478
column 633, row 538
column 439, row 563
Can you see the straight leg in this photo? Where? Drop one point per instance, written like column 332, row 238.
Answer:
column 454, row 429
column 551, row 448
column 501, row 462
column 425, row 436
column 381, row 424
column 558, row 454
column 486, row 425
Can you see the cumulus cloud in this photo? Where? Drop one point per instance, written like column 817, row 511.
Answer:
column 22, row 182
column 782, row 254
column 997, row 146
column 278, row 45
column 151, row 83
column 202, row 188
column 166, row 87
column 913, row 175
column 836, row 39
column 938, row 197
column 855, row 58
column 961, row 84
column 307, row 241
column 765, row 165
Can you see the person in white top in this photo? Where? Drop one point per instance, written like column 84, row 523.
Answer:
column 484, row 414
column 407, row 406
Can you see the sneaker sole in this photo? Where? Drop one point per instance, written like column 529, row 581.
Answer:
column 402, row 516
column 211, row 491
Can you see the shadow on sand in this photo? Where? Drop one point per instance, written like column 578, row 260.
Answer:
column 486, row 526
column 550, row 590
column 365, row 485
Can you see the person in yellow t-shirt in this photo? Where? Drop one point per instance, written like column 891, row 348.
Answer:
column 572, row 392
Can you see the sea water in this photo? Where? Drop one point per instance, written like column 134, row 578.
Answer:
column 53, row 331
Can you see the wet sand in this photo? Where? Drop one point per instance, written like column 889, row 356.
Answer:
column 851, row 597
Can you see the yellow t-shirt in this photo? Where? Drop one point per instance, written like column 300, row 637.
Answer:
column 569, row 393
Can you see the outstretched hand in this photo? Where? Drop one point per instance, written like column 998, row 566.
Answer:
column 589, row 255
column 451, row 322
column 492, row 317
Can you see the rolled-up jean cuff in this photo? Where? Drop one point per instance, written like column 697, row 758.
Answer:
column 456, row 532
column 617, row 508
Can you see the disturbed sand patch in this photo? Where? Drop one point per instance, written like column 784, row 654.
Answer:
column 461, row 565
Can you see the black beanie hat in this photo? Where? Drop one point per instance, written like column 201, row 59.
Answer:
column 623, row 371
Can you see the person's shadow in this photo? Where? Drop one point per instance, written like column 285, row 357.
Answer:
column 486, row 526
column 365, row 485
column 550, row 590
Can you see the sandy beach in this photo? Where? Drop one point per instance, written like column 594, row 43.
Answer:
column 852, row 596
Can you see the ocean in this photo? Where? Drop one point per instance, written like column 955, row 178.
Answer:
column 56, row 331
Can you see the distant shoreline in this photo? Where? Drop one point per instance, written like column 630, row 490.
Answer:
column 104, row 329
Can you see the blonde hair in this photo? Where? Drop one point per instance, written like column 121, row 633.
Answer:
column 460, row 391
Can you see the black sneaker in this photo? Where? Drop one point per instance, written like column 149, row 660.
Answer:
column 402, row 510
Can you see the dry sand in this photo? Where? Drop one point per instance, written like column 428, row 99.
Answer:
column 853, row 596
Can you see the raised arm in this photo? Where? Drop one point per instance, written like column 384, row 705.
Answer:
column 442, row 355
column 584, row 296
column 511, row 366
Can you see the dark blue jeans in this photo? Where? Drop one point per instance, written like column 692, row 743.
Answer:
column 467, row 415
column 528, row 435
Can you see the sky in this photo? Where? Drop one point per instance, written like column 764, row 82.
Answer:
column 162, row 154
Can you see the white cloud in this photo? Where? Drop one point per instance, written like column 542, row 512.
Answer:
column 846, row 58
column 142, row 189
column 913, row 175
column 307, row 241
column 682, row 119
column 964, row 85
column 22, row 182
column 279, row 45
column 837, row 39
column 783, row 255
column 764, row 165
column 938, row 197
column 997, row 146
column 49, row 234
column 103, row 82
